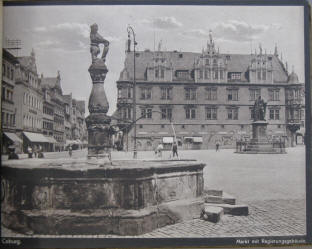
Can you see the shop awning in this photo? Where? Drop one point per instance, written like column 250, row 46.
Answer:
column 188, row 138
column 197, row 139
column 68, row 142
column 35, row 137
column 167, row 140
column 78, row 141
column 51, row 140
column 13, row 137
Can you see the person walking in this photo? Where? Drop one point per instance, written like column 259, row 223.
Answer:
column 217, row 146
column 70, row 151
column 29, row 150
column 175, row 149
column 160, row 148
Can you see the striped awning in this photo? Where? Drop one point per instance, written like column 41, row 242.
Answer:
column 51, row 140
column 197, row 139
column 35, row 137
column 13, row 137
column 167, row 140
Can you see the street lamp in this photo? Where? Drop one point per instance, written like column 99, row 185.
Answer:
column 130, row 30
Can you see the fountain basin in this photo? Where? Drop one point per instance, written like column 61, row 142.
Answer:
column 80, row 196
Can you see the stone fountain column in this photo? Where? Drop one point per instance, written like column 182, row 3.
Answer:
column 98, row 123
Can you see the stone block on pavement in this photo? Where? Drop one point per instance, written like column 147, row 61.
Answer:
column 225, row 199
column 231, row 209
column 213, row 192
column 212, row 214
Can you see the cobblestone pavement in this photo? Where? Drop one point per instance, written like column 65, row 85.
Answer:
column 266, row 218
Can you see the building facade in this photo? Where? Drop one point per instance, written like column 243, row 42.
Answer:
column 28, row 99
column 8, row 112
column 205, row 98
column 52, row 87
column 35, row 113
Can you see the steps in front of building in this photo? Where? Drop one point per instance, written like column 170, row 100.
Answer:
column 219, row 203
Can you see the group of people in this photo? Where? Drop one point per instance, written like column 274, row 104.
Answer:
column 36, row 151
column 174, row 149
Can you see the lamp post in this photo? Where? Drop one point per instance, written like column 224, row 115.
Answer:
column 130, row 30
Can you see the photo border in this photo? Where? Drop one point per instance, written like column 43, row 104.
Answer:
column 189, row 242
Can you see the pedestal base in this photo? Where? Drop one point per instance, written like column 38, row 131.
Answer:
column 260, row 144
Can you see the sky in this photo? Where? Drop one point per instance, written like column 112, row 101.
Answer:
column 59, row 36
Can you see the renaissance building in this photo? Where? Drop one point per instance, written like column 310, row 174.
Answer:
column 207, row 98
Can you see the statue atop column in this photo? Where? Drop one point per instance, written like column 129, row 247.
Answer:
column 96, row 39
column 259, row 109
column 98, row 122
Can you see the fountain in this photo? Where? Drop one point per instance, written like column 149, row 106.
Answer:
column 97, row 195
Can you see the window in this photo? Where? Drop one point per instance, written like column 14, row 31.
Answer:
column 207, row 74
column 190, row 113
column 3, row 93
column 254, row 94
column 129, row 92
column 264, row 75
column 235, row 76
column 211, row 93
column 221, row 75
column 190, row 93
column 232, row 113
column 211, row 113
column 232, row 94
column 215, row 75
column 166, row 113
column 274, row 114
column 273, row 94
column 146, row 93
column 252, row 113
column 297, row 94
column 119, row 92
column 162, row 73
column 166, row 92
column 207, row 62
column 200, row 76
column 126, row 113
column 157, row 73
column 259, row 75
column 3, row 69
column 146, row 113
column 182, row 74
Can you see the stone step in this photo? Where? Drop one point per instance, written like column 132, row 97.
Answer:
column 224, row 199
column 213, row 192
column 212, row 214
column 238, row 210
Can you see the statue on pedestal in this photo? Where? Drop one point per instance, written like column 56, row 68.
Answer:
column 98, row 123
column 259, row 109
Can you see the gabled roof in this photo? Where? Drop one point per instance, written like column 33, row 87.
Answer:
column 81, row 105
column 49, row 82
column 28, row 63
column 186, row 61
column 9, row 57
column 67, row 98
